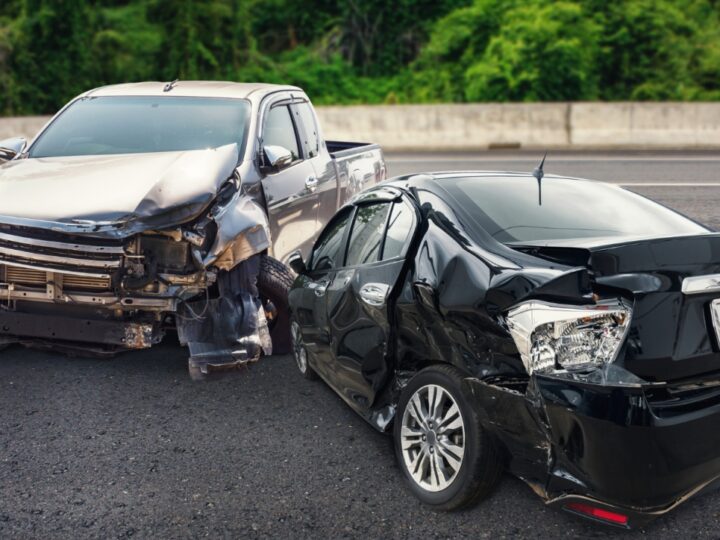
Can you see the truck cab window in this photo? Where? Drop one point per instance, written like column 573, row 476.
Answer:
column 280, row 131
column 307, row 119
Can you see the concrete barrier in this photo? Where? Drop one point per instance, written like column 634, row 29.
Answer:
column 518, row 125
column 645, row 125
column 21, row 126
column 450, row 127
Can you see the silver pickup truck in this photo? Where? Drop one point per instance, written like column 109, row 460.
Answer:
column 152, row 206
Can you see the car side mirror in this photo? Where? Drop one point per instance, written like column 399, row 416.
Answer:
column 296, row 262
column 9, row 148
column 277, row 157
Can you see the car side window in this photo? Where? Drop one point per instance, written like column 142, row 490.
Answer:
column 330, row 248
column 307, row 119
column 367, row 233
column 280, row 131
column 399, row 231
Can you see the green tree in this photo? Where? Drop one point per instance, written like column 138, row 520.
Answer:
column 51, row 54
column 542, row 52
column 648, row 50
column 456, row 42
column 203, row 40
column 125, row 45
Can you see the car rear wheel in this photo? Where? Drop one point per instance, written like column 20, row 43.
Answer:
column 300, row 352
column 274, row 282
column 446, row 456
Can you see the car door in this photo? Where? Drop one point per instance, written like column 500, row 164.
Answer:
column 309, row 299
column 359, row 297
column 317, row 153
column 290, row 193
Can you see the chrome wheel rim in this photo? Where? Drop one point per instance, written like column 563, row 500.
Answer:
column 298, row 347
column 432, row 435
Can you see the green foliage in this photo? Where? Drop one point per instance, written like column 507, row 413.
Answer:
column 50, row 53
column 540, row 53
column 366, row 51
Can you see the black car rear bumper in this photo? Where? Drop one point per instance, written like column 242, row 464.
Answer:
column 619, row 448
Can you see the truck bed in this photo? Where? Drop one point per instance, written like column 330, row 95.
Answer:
column 341, row 149
column 357, row 166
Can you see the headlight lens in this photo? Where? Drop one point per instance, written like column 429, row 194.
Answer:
column 553, row 337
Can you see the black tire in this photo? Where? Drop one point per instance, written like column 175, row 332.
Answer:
column 300, row 352
column 481, row 467
column 274, row 282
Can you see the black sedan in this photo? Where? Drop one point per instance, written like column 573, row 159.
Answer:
column 563, row 329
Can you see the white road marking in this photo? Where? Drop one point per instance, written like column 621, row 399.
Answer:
column 557, row 159
column 667, row 184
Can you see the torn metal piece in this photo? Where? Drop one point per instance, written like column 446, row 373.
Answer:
column 230, row 330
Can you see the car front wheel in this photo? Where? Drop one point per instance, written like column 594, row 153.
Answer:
column 446, row 456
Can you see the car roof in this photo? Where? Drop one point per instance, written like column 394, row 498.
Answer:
column 216, row 89
column 433, row 181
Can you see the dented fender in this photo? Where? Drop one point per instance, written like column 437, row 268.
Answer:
column 242, row 231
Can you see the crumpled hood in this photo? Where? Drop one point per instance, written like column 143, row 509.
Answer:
column 112, row 188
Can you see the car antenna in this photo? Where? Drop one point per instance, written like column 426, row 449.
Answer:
column 169, row 86
column 539, row 173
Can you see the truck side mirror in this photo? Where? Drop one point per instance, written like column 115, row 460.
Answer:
column 277, row 157
column 9, row 148
column 296, row 262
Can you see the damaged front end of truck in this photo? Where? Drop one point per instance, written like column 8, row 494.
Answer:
column 187, row 256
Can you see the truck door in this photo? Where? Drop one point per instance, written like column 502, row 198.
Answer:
column 291, row 192
column 358, row 299
column 317, row 153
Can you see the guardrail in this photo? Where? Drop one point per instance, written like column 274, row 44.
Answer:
column 511, row 125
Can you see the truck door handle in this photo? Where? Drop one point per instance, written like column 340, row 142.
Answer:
column 311, row 183
column 374, row 294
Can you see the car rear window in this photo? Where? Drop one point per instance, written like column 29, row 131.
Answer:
column 509, row 209
column 367, row 233
column 399, row 229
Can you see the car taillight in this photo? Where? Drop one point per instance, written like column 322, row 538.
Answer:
column 597, row 513
column 557, row 337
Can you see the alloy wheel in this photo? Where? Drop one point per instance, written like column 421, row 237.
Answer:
column 433, row 438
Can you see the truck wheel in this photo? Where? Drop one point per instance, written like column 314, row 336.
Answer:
column 446, row 456
column 274, row 282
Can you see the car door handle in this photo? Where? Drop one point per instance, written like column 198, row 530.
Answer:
column 321, row 287
column 374, row 294
column 311, row 184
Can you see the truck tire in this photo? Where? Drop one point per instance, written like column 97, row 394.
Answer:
column 274, row 282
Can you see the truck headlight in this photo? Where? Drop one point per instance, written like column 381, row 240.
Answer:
column 552, row 337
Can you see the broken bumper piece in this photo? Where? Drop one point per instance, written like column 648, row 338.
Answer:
column 620, row 455
column 128, row 335
column 223, row 334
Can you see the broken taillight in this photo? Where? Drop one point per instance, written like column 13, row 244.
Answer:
column 598, row 513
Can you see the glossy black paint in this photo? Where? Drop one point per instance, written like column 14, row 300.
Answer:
column 639, row 446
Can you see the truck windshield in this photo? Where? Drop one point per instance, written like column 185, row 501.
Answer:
column 508, row 209
column 137, row 124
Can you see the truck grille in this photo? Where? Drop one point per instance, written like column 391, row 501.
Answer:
column 33, row 261
column 23, row 276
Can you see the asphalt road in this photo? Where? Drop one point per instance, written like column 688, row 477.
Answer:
column 132, row 448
